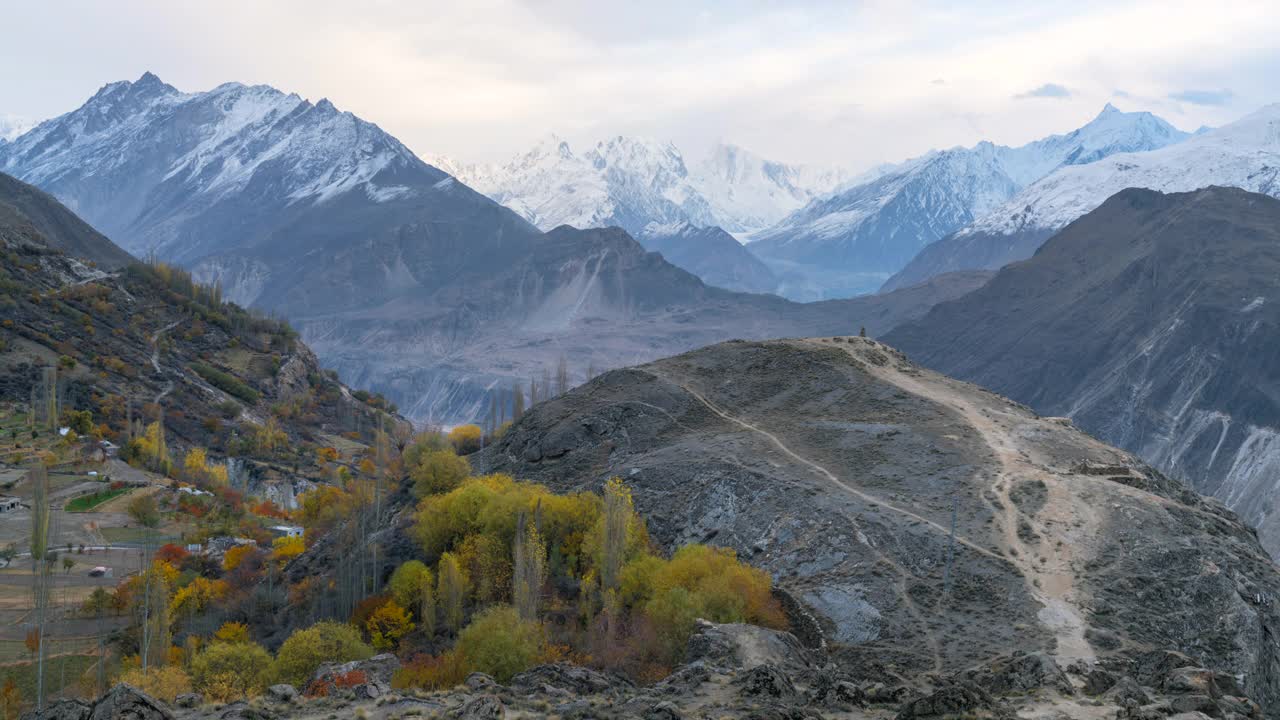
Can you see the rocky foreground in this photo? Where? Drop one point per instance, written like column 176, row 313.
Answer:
column 735, row 671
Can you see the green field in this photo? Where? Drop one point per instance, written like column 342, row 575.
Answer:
column 85, row 503
column 61, row 671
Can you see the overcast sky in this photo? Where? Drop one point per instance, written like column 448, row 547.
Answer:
column 840, row 82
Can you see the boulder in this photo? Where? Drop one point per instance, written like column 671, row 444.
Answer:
column 1126, row 690
column 765, row 681
column 282, row 693
column 567, row 678
column 685, row 679
column 61, row 710
column 1151, row 667
column 1190, row 681
column 736, row 645
column 1018, row 672
column 480, row 681
column 377, row 670
column 1097, row 681
column 126, row 701
column 958, row 699
column 484, row 707
column 664, row 710
column 189, row 700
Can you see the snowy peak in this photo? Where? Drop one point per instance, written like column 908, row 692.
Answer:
column 1244, row 154
column 632, row 182
column 144, row 145
column 868, row 230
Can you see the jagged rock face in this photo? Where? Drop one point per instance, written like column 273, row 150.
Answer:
column 1244, row 154
column 850, row 241
column 841, row 468
column 1152, row 323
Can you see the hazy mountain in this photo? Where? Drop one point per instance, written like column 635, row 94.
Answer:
column 1152, row 322
column 633, row 182
column 710, row 253
column 1244, row 154
column 850, row 241
column 11, row 126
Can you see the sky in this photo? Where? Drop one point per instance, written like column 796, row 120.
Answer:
column 836, row 83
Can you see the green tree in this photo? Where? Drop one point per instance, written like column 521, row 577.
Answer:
column 407, row 582
column 452, row 589
column 231, row 671
column 500, row 643
column 306, row 650
column 438, row 471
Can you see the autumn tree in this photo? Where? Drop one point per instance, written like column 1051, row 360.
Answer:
column 305, row 650
column 499, row 642
column 227, row 671
column 387, row 624
column 530, row 567
column 437, row 472
column 451, row 590
column 466, row 438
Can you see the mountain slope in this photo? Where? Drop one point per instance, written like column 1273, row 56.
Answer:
column 633, row 182
column 1244, row 154
column 1152, row 323
column 593, row 297
column 141, row 340
column 35, row 214
column 929, row 524
column 851, row 241
column 710, row 253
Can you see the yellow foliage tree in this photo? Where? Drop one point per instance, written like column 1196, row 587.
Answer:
column 232, row 632
column 285, row 549
column 165, row 683
column 236, row 555
column 227, row 671
column 466, row 438
column 438, row 472
column 387, row 624
column 451, row 590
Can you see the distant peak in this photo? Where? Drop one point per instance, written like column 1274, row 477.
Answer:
column 325, row 106
column 148, row 78
column 1108, row 109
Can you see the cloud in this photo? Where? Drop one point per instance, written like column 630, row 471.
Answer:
column 1048, row 90
column 1203, row 97
column 938, row 81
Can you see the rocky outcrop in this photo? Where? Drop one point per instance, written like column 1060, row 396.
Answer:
column 928, row 525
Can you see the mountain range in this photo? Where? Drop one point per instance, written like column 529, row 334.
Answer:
column 398, row 274
column 851, row 241
column 1150, row 322
column 1244, row 154
column 632, row 182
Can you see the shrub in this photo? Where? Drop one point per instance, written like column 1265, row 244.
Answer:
column 226, row 382
column 499, row 643
column 438, row 472
column 439, row 672
column 407, row 582
column 306, row 650
column 466, row 438
column 165, row 682
column 231, row 671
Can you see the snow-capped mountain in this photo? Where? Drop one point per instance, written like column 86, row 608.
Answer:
column 850, row 241
column 153, row 166
column 633, row 182
column 11, row 126
column 1244, row 154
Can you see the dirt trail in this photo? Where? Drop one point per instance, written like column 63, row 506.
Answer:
column 155, row 360
column 1038, row 551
